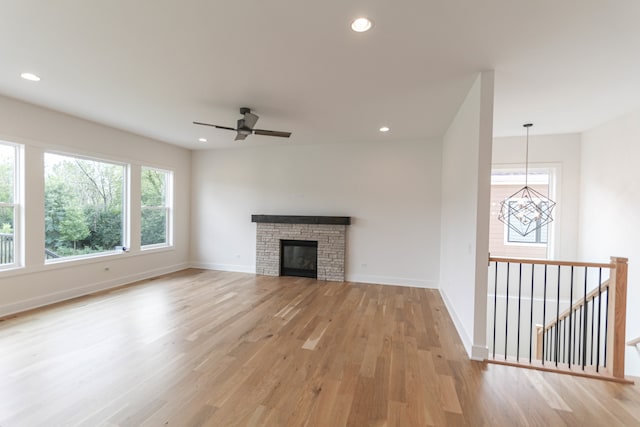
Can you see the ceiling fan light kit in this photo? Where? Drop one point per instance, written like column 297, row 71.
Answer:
column 245, row 126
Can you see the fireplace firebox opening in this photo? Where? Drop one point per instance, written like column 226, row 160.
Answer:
column 299, row 258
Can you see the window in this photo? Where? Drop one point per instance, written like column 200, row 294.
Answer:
column 155, row 223
column 9, row 203
column 84, row 206
column 505, row 241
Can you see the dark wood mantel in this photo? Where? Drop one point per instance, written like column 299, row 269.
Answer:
column 302, row 219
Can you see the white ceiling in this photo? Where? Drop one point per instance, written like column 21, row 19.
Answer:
column 154, row 66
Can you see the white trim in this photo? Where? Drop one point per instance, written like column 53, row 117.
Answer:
column 73, row 258
column 479, row 353
column 528, row 245
column 154, row 246
column 535, row 177
column 17, row 204
column 392, row 281
column 67, row 294
column 374, row 280
column 462, row 333
column 61, row 148
column 70, row 262
column 224, row 267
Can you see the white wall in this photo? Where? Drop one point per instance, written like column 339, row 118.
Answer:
column 610, row 202
column 561, row 152
column 40, row 129
column 466, row 185
column 390, row 189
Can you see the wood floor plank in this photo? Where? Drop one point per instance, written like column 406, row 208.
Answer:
column 211, row 348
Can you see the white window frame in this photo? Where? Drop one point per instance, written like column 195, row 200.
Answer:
column 16, row 204
column 168, row 208
column 126, row 172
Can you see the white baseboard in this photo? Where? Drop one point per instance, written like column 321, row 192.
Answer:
column 462, row 333
column 377, row 280
column 55, row 297
column 394, row 281
column 224, row 267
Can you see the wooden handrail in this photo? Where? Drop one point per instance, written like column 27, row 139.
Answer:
column 603, row 287
column 634, row 342
column 553, row 262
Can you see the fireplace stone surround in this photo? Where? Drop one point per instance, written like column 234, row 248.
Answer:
column 329, row 231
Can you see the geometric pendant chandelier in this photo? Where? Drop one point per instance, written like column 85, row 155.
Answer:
column 526, row 210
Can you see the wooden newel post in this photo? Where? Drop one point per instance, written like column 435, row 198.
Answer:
column 617, row 318
column 538, row 341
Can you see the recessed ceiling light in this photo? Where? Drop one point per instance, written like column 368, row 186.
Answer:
column 384, row 129
column 361, row 25
column 202, row 139
column 30, row 76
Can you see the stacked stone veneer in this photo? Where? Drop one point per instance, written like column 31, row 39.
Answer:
column 331, row 247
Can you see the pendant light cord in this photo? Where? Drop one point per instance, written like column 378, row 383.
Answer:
column 526, row 162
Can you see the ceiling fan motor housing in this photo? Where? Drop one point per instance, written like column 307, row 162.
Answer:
column 242, row 128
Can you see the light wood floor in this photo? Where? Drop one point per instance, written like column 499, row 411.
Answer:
column 224, row 349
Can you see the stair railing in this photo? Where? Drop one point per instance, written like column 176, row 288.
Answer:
column 559, row 316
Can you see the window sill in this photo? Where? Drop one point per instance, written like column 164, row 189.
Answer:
column 11, row 270
column 526, row 245
column 71, row 262
column 156, row 248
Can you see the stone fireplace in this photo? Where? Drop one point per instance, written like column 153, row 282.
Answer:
column 329, row 232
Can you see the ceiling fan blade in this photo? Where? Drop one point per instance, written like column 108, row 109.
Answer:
column 250, row 120
column 272, row 133
column 241, row 136
column 215, row 126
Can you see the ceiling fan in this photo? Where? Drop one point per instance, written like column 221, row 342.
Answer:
column 245, row 126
